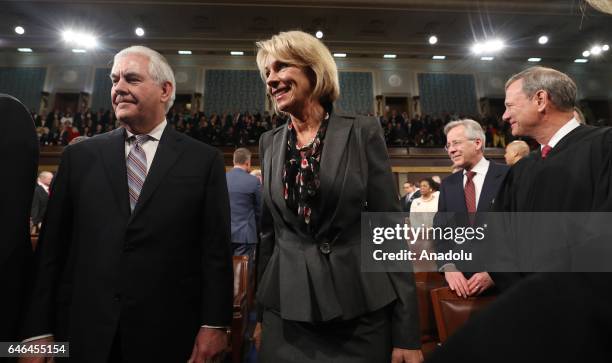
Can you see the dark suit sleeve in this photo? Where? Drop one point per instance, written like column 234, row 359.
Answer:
column 266, row 245
column 52, row 250
column 441, row 219
column 382, row 197
column 217, row 275
column 36, row 207
column 257, row 203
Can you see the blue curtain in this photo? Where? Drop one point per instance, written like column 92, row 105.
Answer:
column 101, row 97
column 356, row 92
column 452, row 93
column 233, row 91
column 25, row 84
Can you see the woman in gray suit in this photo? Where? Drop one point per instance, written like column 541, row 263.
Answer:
column 320, row 171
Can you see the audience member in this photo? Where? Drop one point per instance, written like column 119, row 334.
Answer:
column 41, row 196
column 515, row 151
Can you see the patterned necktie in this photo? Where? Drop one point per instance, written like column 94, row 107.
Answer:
column 136, row 168
column 470, row 192
column 545, row 151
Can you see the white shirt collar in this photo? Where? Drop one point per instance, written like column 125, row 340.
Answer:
column 562, row 132
column 155, row 134
column 480, row 168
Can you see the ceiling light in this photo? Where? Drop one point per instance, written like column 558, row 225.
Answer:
column 439, row 57
column 534, row 59
column 596, row 50
column 319, row 34
column 433, row 39
column 235, row 52
column 24, row 50
column 184, row 52
column 605, row 47
column 586, row 53
column 390, row 56
column 487, row 58
column 19, row 30
column 340, row 55
column 543, row 39
column 139, row 31
column 80, row 39
column 79, row 51
column 580, row 60
column 489, row 47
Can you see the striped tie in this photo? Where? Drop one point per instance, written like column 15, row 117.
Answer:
column 136, row 168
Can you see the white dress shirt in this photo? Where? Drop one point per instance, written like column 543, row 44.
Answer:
column 480, row 169
column 46, row 188
column 561, row 133
column 149, row 147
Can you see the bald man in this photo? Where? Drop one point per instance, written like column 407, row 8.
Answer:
column 515, row 151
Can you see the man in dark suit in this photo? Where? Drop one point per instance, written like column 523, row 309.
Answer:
column 412, row 193
column 41, row 196
column 140, row 270
column 245, row 204
column 469, row 191
column 19, row 158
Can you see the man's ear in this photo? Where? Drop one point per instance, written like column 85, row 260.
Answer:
column 167, row 89
column 541, row 98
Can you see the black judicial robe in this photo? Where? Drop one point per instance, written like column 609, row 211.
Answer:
column 549, row 317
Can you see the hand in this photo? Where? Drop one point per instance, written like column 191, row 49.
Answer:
column 41, row 341
column 209, row 343
column 257, row 336
column 400, row 355
column 458, row 283
column 479, row 282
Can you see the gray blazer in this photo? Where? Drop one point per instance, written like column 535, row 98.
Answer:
column 316, row 279
column 245, row 205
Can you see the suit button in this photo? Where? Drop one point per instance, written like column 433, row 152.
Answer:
column 117, row 297
column 325, row 248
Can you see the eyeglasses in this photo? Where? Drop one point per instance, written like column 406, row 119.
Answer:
column 456, row 143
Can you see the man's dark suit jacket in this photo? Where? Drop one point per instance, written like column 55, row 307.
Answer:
column 245, row 205
column 151, row 277
column 39, row 204
column 19, row 160
column 407, row 202
column 315, row 278
column 452, row 199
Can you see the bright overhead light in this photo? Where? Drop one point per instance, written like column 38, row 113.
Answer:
column 340, row 55
column 534, row 60
column 489, row 47
column 184, row 52
column 80, row 39
column 390, row 56
column 139, row 31
column 605, row 47
column 596, row 50
column 439, row 57
column 487, row 58
column 319, row 34
column 24, row 50
column 433, row 39
column 79, row 51
column 19, row 30
column 586, row 53
column 580, row 60
column 236, row 52
column 543, row 39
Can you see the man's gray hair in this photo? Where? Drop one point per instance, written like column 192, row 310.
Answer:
column 159, row 69
column 560, row 87
column 242, row 156
column 473, row 130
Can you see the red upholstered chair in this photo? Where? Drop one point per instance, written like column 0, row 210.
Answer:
column 240, row 317
column 452, row 311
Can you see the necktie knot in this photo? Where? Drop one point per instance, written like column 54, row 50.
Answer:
column 470, row 175
column 545, row 151
column 139, row 139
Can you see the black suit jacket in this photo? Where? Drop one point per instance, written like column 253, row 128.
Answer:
column 155, row 275
column 407, row 202
column 452, row 199
column 297, row 277
column 39, row 204
column 19, row 159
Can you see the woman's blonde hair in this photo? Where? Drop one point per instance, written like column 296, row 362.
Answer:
column 305, row 51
